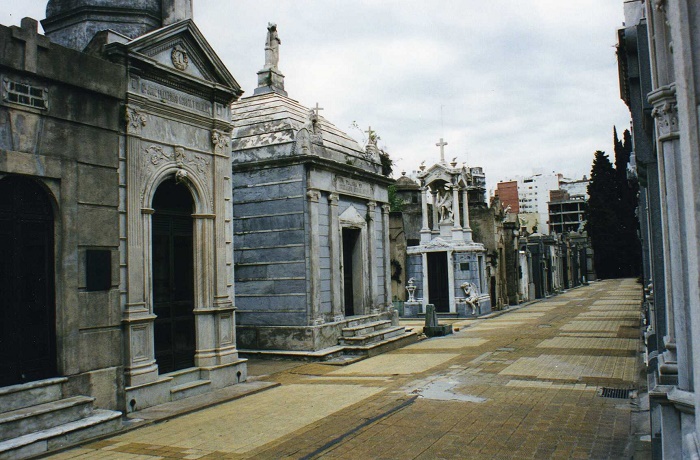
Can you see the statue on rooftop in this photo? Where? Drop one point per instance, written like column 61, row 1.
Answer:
column 272, row 47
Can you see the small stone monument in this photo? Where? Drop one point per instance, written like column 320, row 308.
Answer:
column 411, row 307
column 432, row 328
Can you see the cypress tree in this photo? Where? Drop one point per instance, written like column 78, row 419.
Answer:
column 629, row 250
column 603, row 225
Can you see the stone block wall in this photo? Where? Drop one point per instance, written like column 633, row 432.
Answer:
column 70, row 145
column 270, row 246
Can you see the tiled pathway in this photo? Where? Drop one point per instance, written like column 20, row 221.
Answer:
column 525, row 384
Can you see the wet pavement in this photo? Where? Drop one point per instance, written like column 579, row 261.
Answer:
column 529, row 383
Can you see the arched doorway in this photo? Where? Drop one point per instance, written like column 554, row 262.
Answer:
column 27, row 294
column 173, row 277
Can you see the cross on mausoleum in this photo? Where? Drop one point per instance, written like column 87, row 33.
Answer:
column 316, row 109
column 442, row 145
column 32, row 41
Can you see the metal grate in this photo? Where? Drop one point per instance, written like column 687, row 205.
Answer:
column 617, row 393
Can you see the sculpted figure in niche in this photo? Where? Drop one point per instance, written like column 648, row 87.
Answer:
column 445, row 205
column 272, row 47
column 471, row 294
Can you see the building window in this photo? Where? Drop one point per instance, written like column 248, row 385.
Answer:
column 24, row 94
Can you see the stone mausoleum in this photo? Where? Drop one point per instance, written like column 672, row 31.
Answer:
column 311, row 227
column 116, row 275
column 448, row 268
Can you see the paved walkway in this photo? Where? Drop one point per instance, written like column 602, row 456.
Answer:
column 525, row 384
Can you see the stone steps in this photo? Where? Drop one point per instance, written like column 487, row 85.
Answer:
column 365, row 328
column 101, row 422
column 374, row 336
column 37, row 417
column 183, row 376
column 29, row 394
column 188, row 389
column 42, row 416
column 383, row 346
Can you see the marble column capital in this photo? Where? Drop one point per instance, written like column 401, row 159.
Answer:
column 333, row 199
column 313, row 195
column 665, row 111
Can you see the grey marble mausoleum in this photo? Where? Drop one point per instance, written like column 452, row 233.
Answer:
column 311, row 226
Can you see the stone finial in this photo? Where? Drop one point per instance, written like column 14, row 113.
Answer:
column 270, row 79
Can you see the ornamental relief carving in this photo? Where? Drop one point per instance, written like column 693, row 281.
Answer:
column 135, row 120
column 221, row 140
column 666, row 116
column 155, row 157
column 179, row 57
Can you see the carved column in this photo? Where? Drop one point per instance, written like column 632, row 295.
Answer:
column 466, row 228
column 665, row 114
column 425, row 231
column 336, row 274
column 424, row 266
column 387, row 256
column 372, row 256
column 451, row 281
column 140, row 363
column 456, row 228
column 222, row 165
column 436, row 224
column 315, row 317
column 204, row 278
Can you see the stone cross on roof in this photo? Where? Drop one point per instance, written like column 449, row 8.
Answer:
column 316, row 109
column 32, row 41
column 442, row 145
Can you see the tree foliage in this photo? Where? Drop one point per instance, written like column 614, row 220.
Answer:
column 612, row 224
column 395, row 202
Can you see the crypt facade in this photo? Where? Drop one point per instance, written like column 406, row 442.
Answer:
column 115, row 205
column 448, row 268
column 311, row 225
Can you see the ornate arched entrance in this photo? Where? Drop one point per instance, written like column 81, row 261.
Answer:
column 173, row 277
column 27, row 295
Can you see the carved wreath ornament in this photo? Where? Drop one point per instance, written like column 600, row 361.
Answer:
column 179, row 57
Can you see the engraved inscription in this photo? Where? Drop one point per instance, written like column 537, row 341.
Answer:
column 162, row 93
column 353, row 187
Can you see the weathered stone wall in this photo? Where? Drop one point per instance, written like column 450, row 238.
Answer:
column 270, row 246
column 71, row 146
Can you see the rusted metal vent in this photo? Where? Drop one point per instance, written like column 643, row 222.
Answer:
column 617, row 393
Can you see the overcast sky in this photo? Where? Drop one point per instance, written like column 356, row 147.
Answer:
column 511, row 85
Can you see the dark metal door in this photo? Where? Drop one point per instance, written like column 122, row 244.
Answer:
column 350, row 239
column 27, row 296
column 438, row 286
column 173, row 278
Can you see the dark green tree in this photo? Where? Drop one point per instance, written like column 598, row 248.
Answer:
column 630, row 248
column 603, row 225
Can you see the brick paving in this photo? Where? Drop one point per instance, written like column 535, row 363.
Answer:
column 525, row 384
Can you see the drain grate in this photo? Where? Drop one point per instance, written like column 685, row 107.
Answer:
column 617, row 393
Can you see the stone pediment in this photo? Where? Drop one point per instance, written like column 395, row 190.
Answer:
column 442, row 172
column 182, row 48
column 352, row 217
